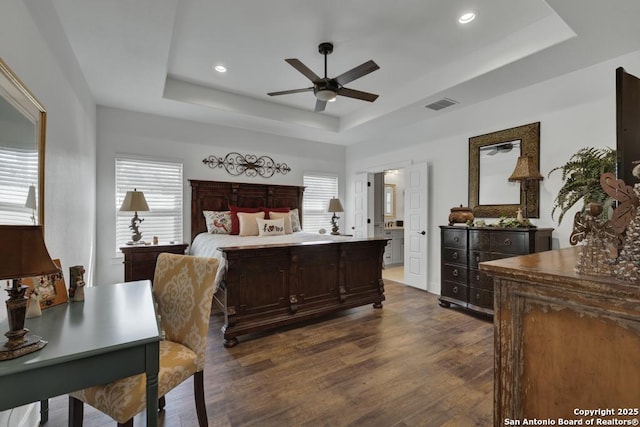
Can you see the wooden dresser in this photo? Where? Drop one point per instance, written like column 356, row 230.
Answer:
column 462, row 248
column 563, row 341
column 140, row 260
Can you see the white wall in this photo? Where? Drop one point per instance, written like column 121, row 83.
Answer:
column 33, row 44
column 126, row 132
column 575, row 110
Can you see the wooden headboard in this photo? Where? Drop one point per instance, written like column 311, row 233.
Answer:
column 219, row 195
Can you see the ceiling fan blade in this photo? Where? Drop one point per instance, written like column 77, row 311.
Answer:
column 320, row 105
column 286, row 92
column 356, row 73
column 295, row 63
column 357, row 94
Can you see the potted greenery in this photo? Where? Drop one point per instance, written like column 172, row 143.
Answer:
column 581, row 176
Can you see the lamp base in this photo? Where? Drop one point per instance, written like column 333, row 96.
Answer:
column 30, row 344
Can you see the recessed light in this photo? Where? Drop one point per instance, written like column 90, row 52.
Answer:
column 465, row 18
column 332, row 99
column 220, row 68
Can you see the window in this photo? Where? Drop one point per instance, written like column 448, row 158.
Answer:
column 18, row 171
column 319, row 189
column 161, row 183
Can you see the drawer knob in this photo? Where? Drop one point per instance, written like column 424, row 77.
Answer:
column 478, row 296
column 478, row 277
column 477, row 258
column 456, row 239
column 455, row 272
column 507, row 242
column 455, row 289
column 454, row 255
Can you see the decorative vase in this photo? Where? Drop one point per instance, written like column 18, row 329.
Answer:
column 460, row 215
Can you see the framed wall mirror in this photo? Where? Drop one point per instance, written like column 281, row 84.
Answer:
column 22, row 142
column 389, row 201
column 492, row 159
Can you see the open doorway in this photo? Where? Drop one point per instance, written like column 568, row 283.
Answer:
column 408, row 223
column 389, row 220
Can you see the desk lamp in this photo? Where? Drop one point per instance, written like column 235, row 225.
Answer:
column 335, row 206
column 22, row 254
column 134, row 201
column 526, row 172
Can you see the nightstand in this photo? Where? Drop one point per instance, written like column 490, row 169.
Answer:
column 140, row 260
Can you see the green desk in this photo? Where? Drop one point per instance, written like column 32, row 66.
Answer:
column 112, row 334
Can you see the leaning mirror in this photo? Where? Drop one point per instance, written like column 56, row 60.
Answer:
column 492, row 159
column 22, row 139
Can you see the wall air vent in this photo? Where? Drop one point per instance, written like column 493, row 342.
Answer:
column 443, row 103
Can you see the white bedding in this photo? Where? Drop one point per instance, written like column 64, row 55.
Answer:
column 206, row 245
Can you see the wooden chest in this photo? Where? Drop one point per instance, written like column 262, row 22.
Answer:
column 462, row 248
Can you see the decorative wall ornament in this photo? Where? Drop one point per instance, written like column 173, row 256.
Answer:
column 251, row 165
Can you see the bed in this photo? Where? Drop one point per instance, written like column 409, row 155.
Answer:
column 270, row 285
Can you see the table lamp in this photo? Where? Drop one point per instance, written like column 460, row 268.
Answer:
column 31, row 202
column 23, row 254
column 335, row 206
column 134, row 201
column 525, row 172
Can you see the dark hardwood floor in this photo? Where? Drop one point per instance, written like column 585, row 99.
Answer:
column 411, row 363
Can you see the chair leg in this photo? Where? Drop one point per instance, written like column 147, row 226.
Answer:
column 161, row 403
column 198, row 391
column 127, row 424
column 76, row 412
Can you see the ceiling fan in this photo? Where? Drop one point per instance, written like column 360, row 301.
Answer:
column 326, row 89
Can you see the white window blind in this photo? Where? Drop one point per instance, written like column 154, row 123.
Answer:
column 18, row 171
column 161, row 183
column 319, row 189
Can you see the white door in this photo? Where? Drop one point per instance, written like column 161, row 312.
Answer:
column 361, row 224
column 415, row 226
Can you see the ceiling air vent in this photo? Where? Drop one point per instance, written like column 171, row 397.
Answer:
column 443, row 103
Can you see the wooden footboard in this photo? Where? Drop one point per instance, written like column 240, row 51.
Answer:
column 272, row 286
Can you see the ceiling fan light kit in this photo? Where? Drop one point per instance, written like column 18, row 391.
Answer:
column 326, row 89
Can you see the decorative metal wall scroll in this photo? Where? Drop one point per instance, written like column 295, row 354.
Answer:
column 249, row 164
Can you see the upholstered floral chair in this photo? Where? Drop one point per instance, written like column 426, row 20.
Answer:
column 183, row 289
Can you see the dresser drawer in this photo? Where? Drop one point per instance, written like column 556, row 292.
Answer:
column 145, row 257
column 454, row 256
column 481, row 298
column 510, row 243
column 479, row 240
column 477, row 256
column 480, row 279
column 454, row 273
column 454, row 290
column 455, row 238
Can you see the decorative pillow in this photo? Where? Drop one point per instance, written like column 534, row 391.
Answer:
column 218, row 222
column 269, row 210
column 286, row 216
column 270, row 227
column 235, row 225
column 295, row 220
column 248, row 224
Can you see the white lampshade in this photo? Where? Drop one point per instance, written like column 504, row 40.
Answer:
column 31, row 198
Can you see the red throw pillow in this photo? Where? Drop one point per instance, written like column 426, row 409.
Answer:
column 235, row 223
column 267, row 210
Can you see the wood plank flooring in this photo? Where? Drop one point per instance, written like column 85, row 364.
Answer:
column 412, row 363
